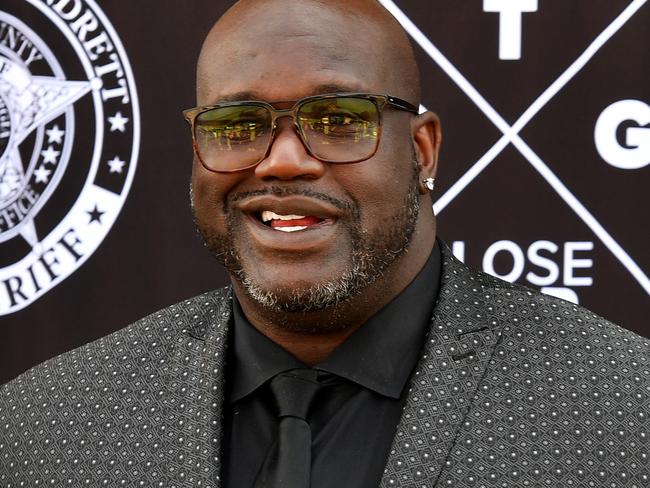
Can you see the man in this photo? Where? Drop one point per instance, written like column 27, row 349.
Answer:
column 353, row 349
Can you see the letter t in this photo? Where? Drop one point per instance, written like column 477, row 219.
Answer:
column 510, row 12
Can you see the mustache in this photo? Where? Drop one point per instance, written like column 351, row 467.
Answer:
column 280, row 191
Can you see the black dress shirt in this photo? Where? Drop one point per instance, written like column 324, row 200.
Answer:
column 354, row 415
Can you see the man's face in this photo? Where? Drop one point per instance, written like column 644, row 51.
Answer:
column 364, row 212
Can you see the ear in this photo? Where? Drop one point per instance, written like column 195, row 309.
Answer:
column 427, row 137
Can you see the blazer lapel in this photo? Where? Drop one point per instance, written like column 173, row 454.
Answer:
column 193, row 408
column 463, row 334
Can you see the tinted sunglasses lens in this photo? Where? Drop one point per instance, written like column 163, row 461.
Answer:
column 341, row 129
column 232, row 138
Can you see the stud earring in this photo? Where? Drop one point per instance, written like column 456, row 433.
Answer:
column 429, row 183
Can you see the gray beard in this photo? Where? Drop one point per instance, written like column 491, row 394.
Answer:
column 370, row 258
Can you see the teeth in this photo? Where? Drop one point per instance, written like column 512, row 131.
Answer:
column 291, row 229
column 267, row 216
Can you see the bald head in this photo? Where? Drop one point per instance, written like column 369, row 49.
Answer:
column 351, row 44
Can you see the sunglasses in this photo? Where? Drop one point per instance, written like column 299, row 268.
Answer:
column 334, row 128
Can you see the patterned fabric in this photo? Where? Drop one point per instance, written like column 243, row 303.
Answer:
column 518, row 389
column 513, row 388
column 140, row 407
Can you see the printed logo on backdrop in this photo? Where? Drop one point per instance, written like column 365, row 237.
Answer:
column 621, row 138
column 69, row 140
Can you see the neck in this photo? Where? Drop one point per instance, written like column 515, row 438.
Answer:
column 312, row 336
column 309, row 336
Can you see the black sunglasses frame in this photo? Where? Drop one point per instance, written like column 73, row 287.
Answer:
column 380, row 101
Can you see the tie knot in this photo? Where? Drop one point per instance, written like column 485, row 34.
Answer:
column 294, row 391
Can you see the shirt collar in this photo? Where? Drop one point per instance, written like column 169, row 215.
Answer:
column 255, row 357
column 379, row 356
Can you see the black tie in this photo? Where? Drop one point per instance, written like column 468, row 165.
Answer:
column 288, row 462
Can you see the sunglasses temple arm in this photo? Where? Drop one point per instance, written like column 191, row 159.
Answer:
column 402, row 104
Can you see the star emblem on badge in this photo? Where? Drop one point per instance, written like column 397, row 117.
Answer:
column 95, row 215
column 50, row 155
column 118, row 122
column 55, row 135
column 116, row 165
column 42, row 174
column 29, row 102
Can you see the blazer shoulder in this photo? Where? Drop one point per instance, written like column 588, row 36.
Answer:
column 527, row 314
column 149, row 337
column 60, row 416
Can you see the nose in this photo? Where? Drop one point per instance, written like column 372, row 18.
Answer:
column 288, row 158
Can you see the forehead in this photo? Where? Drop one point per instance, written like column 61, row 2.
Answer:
column 287, row 57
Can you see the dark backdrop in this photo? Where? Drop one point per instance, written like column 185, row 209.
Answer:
column 548, row 203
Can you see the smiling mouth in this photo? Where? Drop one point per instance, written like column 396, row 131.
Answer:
column 305, row 217
column 289, row 223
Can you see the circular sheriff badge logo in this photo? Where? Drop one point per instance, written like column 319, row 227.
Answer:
column 69, row 139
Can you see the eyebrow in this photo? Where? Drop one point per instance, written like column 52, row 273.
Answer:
column 239, row 96
column 318, row 90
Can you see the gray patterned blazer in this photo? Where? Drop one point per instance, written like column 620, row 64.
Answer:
column 513, row 389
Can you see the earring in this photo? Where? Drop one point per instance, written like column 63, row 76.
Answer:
column 429, row 183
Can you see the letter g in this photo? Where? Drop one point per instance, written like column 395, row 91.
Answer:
column 636, row 152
